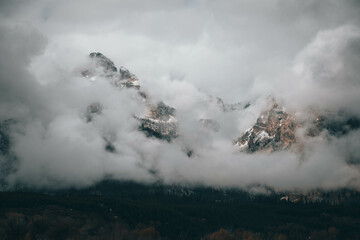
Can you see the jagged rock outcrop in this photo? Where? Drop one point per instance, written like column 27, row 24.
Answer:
column 101, row 66
column 274, row 130
column 104, row 62
column 128, row 79
column 104, row 67
column 160, row 122
column 161, row 112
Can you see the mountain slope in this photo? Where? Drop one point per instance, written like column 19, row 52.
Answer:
column 159, row 122
column 274, row 130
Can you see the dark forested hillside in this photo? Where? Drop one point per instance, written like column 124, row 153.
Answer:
column 113, row 210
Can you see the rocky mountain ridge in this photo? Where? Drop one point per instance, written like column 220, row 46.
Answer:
column 159, row 122
column 274, row 130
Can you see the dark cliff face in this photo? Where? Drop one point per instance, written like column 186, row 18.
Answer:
column 274, row 130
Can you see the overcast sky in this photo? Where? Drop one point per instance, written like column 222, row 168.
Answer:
column 305, row 53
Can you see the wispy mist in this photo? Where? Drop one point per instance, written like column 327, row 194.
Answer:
column 304, row 54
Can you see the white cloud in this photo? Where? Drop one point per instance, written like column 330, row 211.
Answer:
column 305, row 53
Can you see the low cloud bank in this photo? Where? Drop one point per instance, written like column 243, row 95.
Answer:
column 54, row 146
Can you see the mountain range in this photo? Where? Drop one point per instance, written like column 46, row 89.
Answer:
column 275, row 130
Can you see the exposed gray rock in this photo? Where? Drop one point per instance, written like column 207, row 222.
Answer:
column 103, row 61
column 127, row 79
column 274, row 130
column 101, row 66
column 160, row 122
column 125, row 73
column 159, row 129
column 162, row 112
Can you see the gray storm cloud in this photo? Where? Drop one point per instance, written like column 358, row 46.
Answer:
column 325, row 71
column 302, row 53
